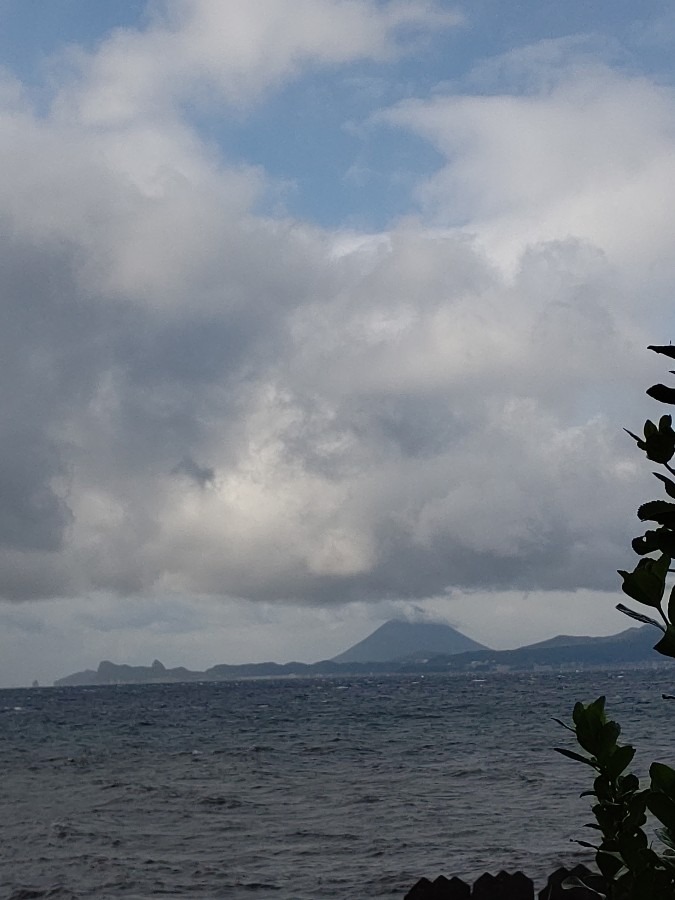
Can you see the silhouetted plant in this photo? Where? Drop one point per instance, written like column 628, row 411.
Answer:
column 630, row 867
column 646, row 584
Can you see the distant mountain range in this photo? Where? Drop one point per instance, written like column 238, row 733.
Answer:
column 400, row 647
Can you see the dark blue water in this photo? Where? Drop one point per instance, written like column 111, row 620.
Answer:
column 300, row 789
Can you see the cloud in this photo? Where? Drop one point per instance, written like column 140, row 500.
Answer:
column 45, row 641
column 235, row 52
column 202, row 475
column 396, row 416
column 584, row 152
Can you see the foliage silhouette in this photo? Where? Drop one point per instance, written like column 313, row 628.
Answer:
column 630, row 867
column 646, row 584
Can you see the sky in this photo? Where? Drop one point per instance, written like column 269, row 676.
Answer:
column 317, row 313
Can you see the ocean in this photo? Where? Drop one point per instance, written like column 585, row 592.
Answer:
column 302, row 789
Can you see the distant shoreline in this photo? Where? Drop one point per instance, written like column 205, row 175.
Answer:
column 631, row 649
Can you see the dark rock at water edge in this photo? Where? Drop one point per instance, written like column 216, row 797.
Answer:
column 506, row 886
column 503, row 886
column 441, row 888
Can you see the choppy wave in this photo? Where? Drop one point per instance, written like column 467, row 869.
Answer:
column 299, row 789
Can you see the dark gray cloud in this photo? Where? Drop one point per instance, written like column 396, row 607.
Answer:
column 364, row 423
column 202, row 475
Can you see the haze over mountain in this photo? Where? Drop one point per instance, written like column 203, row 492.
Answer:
column 630, row 635
column 398, row 639
column 633, row 647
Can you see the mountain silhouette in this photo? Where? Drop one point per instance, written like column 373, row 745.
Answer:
column 397, row 639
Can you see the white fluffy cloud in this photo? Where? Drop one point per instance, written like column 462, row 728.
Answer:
column 585, row 152
column 232, row 51
column 199, row 399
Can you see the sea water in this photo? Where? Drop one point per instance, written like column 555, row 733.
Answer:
column 302, row 789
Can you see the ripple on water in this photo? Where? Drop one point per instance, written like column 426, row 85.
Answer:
column 297, row 789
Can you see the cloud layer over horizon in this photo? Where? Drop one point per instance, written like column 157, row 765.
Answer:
column 205, row 395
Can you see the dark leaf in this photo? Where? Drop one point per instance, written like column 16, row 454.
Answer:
column 620, row 760
column 602, row 787
column 666, row 836
column 638, row 440
column 610, row 864
column 663, row 808
column 572, row 881
column 668, row 483
column 661, row 539
column 653, row 540
column 663, row 779
column 629, row 783
column 660, row 511
column 594, row 733
column 631, row 847
column 647, row 582
column 639, row 617
column 607, row 739
column 666, row 646
column 662, row 393
column 577, row 757
column 564, row 724
column 666, row 350
column 659, row 442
